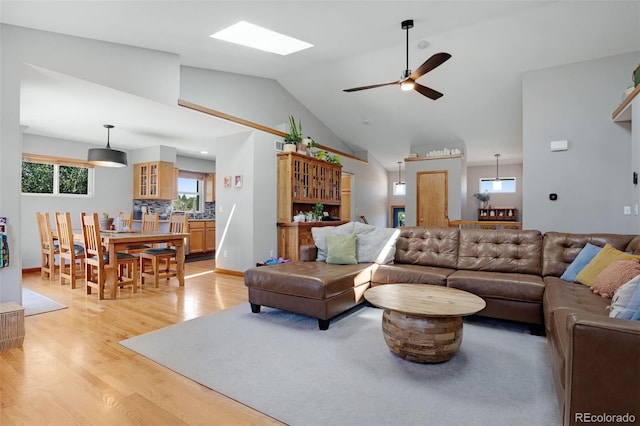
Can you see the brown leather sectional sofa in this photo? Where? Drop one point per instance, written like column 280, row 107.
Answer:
column 595, row 359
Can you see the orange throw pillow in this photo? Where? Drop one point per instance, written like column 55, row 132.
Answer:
column 614, row 276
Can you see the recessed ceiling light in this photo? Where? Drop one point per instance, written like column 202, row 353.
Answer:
column 204, row 152
column 251, row 35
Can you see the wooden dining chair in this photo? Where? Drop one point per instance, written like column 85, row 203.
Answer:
column 127, row 220
column 157, row 263
column 48, row 247
column 97, row 261
column 71, row 254
column 150, row 223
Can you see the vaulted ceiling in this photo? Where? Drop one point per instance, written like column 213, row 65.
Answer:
column 492, row 43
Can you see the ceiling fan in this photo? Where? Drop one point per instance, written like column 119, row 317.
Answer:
column 408, row 79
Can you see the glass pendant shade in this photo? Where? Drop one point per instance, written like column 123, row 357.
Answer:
column 107, row 157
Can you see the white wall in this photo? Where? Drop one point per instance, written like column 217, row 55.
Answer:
column 593, row 178
column 246, row 216
column 474, row 173
column 147, row 73
column 195, row 164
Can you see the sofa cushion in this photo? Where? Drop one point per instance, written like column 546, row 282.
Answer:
column 375, row 244
column 622, row 297
column 586, row 255
column 499, row 285
column 320, row 233
column 341, row 249
column 606, row 256
column 560, row 249
column 614, row 276
column 315, row 280
column 504, row 250
column 414, row 274
column 432, row 246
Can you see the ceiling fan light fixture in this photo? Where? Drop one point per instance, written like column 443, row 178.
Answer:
column 107, row 157
column 407, row 85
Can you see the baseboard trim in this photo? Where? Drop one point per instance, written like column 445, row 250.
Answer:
column 28, row 270
column 229, row 272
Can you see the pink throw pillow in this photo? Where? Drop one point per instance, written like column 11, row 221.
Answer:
column 614, row 276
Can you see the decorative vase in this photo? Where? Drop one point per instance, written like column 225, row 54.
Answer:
column 484, row 204
column 289, row 147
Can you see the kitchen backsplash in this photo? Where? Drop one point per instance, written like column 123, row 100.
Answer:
column 164, row 209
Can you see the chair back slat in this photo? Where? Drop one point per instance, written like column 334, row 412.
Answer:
column 65, row 233
column 91, row 235
column 178, row 223
column 150, row 222
column 44, row 228
column 127, row 219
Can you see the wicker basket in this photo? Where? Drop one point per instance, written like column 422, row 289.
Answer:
column 11, row 325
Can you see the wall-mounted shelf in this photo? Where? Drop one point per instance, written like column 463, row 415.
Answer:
column 623, row 112
column 442, row 157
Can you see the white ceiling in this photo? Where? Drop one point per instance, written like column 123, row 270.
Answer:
column 356, row 43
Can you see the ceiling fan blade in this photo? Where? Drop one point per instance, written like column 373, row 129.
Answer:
column 427, row 91
column 431, row 63
column 355, row 89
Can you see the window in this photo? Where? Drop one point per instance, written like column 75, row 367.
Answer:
column 56, row 176
column 190, row 191
column 508, row 185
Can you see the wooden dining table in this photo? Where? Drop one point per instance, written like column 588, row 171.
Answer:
column 116, row 241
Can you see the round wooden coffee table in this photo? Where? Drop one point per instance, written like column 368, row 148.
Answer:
column 423, row 323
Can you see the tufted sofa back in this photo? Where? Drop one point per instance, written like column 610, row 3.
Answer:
column 428, row 246
column 560, row 249
column 504, row 250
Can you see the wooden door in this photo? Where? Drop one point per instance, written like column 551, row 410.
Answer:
column 432, row 202
column 345, row 202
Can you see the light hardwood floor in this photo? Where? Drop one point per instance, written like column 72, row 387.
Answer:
column 72, row 371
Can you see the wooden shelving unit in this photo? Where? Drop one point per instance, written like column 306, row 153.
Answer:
column 303, row 182
column 507, row 214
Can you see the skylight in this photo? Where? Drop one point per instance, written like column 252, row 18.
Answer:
column 251, row 35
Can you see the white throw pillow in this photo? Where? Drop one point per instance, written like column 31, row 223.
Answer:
column 375, row 244
column 622, row 297
column 320, row 237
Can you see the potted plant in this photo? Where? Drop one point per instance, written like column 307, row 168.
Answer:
column 106, row 221
column 310, row 144
column 317, row 211
column 294, row 136
column 483, row 197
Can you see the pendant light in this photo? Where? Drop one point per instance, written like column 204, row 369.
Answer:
column 399, row 187
column 107, row 157
column 497, row 184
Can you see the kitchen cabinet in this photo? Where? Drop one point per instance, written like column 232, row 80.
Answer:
column 203, row 236
column 154, row 181
column 210, row 188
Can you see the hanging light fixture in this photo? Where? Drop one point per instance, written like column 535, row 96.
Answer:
column 107, row 157
column 497, row 184
column 399, row 187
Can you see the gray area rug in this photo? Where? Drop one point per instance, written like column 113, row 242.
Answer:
column 35, row 303
column 281, row 364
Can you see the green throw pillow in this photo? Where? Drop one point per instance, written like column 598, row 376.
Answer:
column 341, row 250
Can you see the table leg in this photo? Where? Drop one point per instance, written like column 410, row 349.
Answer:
column 113, row 264
column 180, row 262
